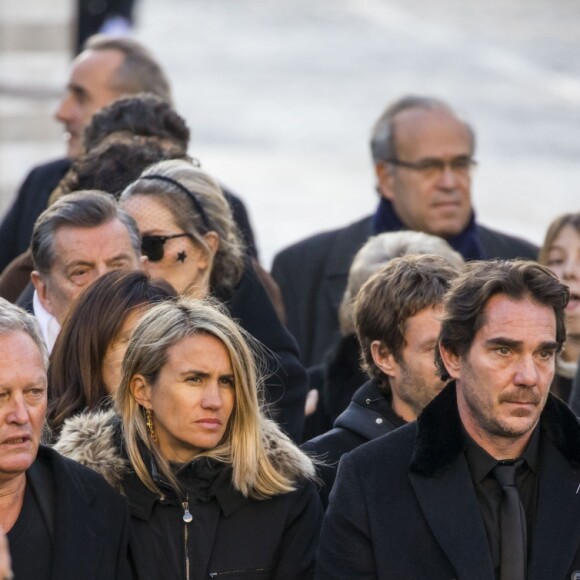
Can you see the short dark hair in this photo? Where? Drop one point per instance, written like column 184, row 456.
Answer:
column 143, row 114
column 75, row 373
column 466, row 301
column 86, row 209
column 114, row 164
column 398, row 291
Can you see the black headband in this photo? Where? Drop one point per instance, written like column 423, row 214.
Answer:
column 189, row 194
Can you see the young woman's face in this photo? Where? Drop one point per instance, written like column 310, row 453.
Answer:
column 116, row 350
column 193, row 398
column 182, row 262
column 564, row 260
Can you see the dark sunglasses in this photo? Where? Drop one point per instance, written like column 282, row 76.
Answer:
column 153, row 246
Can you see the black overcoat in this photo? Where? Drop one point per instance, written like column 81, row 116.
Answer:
column 404, row 506
column 312, row 276
column 88, row 519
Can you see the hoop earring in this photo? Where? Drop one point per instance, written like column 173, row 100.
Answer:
column 150, row 426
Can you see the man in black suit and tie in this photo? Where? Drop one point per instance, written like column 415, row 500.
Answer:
column 485, row 483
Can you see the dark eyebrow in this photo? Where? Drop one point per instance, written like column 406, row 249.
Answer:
column 549, row 345
column 78, row 90
column 516, row 344
column 502, row 341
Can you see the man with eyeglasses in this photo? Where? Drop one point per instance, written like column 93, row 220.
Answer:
column 424, row 157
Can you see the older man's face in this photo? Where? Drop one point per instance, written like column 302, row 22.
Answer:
column 90, row 88
column 22, row 402
column 435, row 201
column 81, row 256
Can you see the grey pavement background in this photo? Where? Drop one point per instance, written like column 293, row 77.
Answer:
column 281, row 97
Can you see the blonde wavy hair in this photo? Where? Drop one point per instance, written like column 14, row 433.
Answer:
column 227, row 265
column 243, row 445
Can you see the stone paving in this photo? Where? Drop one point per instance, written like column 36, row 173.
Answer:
column 281, row 96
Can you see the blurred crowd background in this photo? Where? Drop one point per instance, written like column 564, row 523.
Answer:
column 281, row 97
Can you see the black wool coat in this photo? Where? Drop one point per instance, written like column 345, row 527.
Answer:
column 312, row 276
column 404, row 506
column 368, row 416
column 88, row 519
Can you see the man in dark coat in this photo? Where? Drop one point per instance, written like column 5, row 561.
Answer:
column 63, row 522
column 423, row 156
column 397, row 323
column 426, row 500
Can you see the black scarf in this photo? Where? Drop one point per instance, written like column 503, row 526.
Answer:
column 466, row 242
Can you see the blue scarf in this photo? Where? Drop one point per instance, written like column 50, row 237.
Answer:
column 466, row 242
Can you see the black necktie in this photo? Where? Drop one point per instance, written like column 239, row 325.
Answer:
column 512, row 523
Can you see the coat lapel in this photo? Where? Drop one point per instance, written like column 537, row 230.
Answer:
column 557, row 527
column 337, row 265
column 450, row 507
column 78, row 544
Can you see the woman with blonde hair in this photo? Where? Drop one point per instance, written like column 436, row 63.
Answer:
column 190, row 239
column 215, row 488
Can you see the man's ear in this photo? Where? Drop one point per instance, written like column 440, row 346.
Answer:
column 384, row 358
column 451, row 361
column 385, row 179
column 41, row 290
column 141, row 390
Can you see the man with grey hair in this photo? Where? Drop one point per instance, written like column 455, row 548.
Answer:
column 76, row 240
column 423, row 156
column 61, row 519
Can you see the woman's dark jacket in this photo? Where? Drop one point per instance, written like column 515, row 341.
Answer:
column 287, row 385
column 230, row 536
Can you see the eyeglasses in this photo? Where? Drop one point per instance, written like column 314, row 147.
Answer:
column 153, row 246
column 430, row 167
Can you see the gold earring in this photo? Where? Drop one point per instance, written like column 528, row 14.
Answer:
column 150, row 426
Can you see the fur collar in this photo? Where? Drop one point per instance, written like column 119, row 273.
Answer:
column 440, row 439
column 92, row 439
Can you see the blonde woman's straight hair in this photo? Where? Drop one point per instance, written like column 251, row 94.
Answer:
column 243, row 445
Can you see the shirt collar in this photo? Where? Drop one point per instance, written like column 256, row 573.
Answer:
column 481, row 462
column 49, row 327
